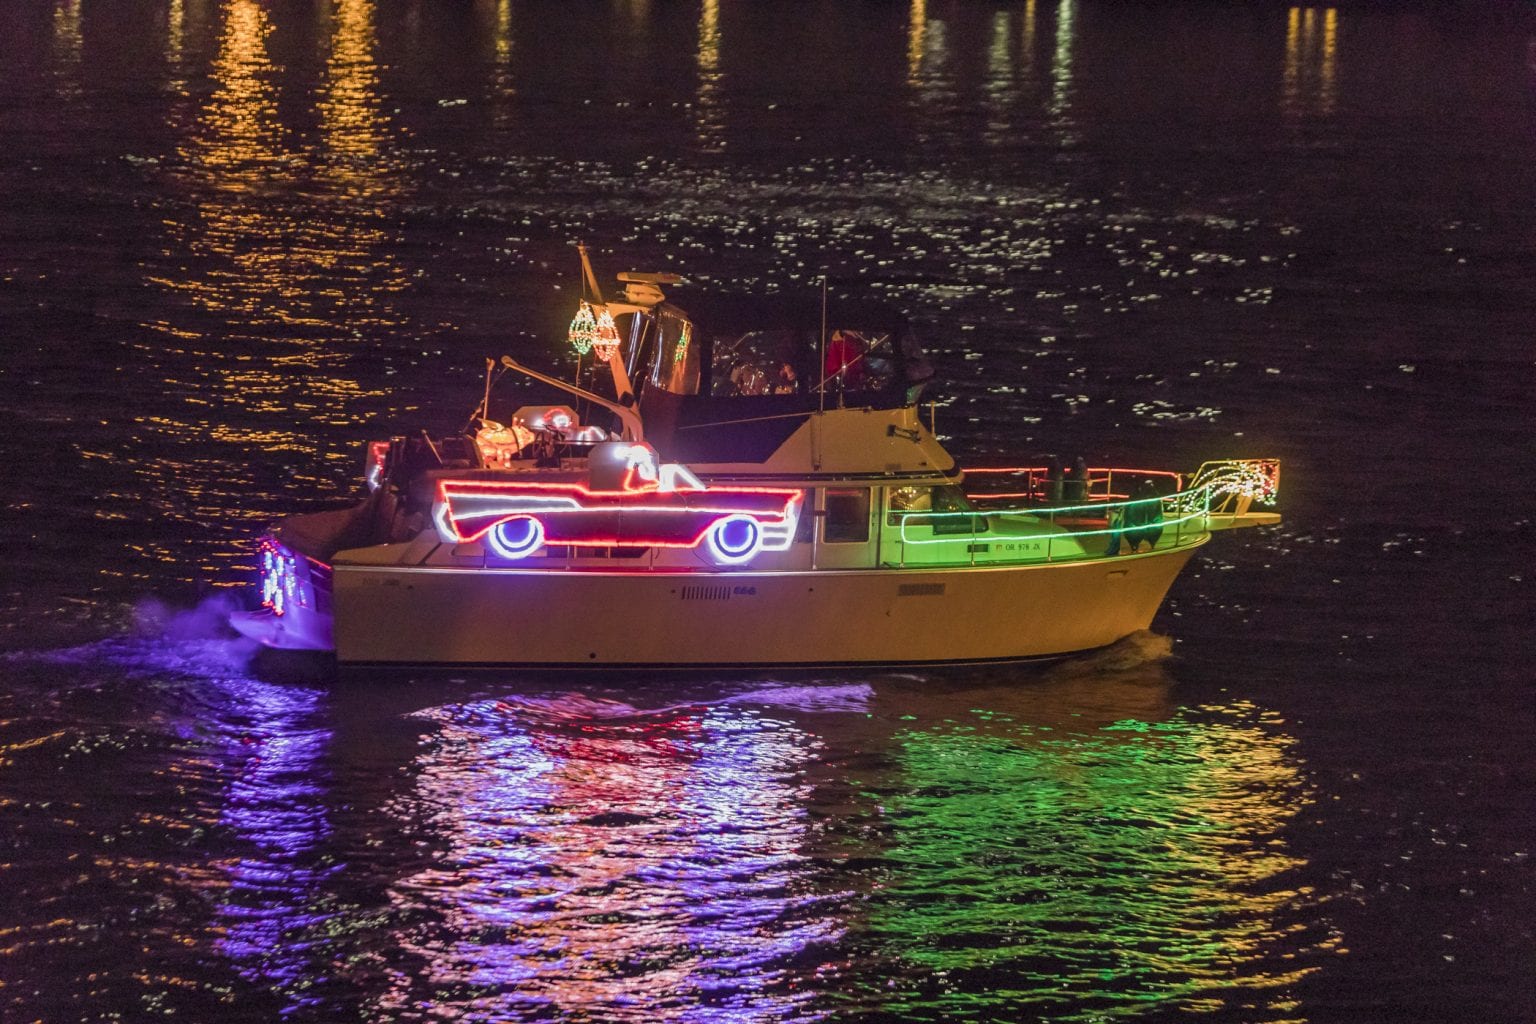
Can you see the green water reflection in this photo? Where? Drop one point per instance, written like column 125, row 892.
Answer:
column 1045, row 862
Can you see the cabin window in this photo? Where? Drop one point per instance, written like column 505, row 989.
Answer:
column 946, row 498
column 805, row 528
column 908, row 499
column 847, row 520
column 858, row 361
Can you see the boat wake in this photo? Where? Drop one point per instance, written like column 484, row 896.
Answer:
column 1138, row 651
column 576, row 710
column 849, row 698
column 161, row 639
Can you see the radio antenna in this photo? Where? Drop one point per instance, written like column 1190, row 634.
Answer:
column 821, row 360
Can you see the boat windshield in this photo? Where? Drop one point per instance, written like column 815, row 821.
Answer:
column 794, row 362
column 675, row 366
column 758, row 363
column 732, row 359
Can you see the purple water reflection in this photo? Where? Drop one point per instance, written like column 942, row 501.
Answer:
column 599, row 858
column 273, row 908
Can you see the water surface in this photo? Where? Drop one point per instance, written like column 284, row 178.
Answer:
column 240, row 238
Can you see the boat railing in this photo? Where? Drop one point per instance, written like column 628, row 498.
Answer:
column 1106, row 522
column 1038, row 485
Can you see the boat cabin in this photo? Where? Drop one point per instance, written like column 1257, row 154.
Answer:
column 729, row 380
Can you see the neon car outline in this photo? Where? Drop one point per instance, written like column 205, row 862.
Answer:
column 515, row 519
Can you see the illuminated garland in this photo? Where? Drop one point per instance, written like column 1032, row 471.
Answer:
column 1258, row 479
column 1255, row 479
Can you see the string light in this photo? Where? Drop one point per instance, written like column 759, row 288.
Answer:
column 1252, row 479
column 682, row 345
column 583, row 332
column 605, row 340
column 280, row 588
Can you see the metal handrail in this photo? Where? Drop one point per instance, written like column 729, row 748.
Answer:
column 1115, row 514
column 1216, row 488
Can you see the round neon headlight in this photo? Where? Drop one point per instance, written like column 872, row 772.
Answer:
column 735, row 539
column 517, row 537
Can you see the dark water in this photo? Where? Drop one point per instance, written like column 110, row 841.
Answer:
column 238, row 238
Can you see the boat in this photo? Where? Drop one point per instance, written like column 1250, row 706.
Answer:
column 734, row 484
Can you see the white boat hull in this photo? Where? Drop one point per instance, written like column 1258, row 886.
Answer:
column 597, row 619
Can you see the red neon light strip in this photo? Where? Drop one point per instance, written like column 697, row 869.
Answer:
column 989, row 496
column 1091, row 469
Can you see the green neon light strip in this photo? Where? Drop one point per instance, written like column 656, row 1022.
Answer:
column 1036, row 510
column 1038, row 513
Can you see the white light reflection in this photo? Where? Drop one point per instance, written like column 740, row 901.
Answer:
column 1001, row 88
column 175, row 33
column 68, row 43
column 1061, row 61
column 186, row 44
column 999, row 65
column 596, row 859
column 709, row 102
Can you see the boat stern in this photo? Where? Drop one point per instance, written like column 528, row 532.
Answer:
column 295, row 594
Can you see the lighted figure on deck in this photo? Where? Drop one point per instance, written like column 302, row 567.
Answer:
column 627, row 500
